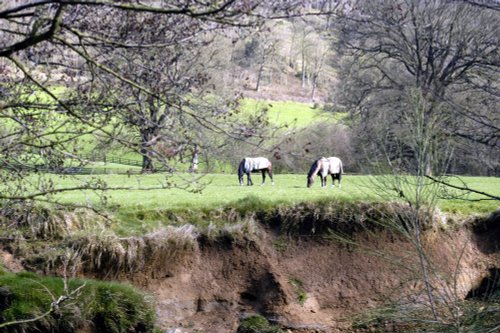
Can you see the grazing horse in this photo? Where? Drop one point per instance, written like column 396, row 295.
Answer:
column 249, row 164
column 324, row 167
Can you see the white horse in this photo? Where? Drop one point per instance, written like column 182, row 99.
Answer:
column 324, row 167
column 249, row 164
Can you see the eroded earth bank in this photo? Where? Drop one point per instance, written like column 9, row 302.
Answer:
column 304, row 268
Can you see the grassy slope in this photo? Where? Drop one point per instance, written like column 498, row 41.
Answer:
column 280, row 113
column 288, row 112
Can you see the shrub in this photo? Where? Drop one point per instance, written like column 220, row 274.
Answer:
column 257, row 324
column 110, row 307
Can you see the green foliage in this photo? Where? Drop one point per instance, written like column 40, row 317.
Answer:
column 141, row 210
column 117, row 308
column 110, row 307
column 257, row 324
column 298, row 287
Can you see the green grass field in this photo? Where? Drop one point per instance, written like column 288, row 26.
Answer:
column 141, row 207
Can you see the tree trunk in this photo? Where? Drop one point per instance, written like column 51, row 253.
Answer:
column 147, row 161
column 147, row 164
column 259, row 77
column 313, row 92
column 194, row 160
column 303, row 69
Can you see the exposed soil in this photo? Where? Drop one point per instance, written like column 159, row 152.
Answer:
column 307, row 284
column 12, row 264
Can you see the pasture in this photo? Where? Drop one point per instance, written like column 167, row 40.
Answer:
column 144, row 204
column 289, row 112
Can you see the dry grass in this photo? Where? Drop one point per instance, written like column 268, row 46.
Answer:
column 346, row 218
column 242, row 231
column 110, row 256
column 99, row 251
column 41, row 223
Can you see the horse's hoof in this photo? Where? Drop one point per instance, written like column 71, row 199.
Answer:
column 272, row 184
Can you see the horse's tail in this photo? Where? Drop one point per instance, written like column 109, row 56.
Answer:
column 341, row 168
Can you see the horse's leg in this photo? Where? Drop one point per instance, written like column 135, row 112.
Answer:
column 333, row 179
column 249, row 179
column 339, row 177
column 263, row 176
column 270, row 172
column 323, row 181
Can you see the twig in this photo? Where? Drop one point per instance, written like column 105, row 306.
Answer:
column 464, row 188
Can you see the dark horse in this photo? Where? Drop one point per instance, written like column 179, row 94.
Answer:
column 249, row 164
column 324, row 167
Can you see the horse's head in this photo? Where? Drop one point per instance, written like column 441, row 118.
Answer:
column 312, row 172
column 310, row 181
column 241, row 171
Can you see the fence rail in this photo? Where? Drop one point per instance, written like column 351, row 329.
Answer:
column 107, row 159
column 68, row 170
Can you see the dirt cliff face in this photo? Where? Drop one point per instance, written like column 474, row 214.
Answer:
column 309, row 283
column 290, row 266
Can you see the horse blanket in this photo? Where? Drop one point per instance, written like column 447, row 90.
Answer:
column 257, row 163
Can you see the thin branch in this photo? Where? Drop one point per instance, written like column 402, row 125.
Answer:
column 464, row 188
column 54, row 306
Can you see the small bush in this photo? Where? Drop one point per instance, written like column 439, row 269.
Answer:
column 257, row 324
column 473, row 316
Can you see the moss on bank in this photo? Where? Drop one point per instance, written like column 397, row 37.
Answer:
column 108, row 307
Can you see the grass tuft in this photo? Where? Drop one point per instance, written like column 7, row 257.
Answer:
column 257, row 324
column 154, row 254
column 39, row 222
column 108, row 307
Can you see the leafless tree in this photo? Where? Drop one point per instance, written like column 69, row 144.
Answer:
column 127, row 72
column 447, row 50
column 417, row 78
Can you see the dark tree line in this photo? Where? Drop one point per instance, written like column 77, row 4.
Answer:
column 444, row 52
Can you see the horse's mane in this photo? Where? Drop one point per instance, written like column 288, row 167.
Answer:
column 314, row 167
